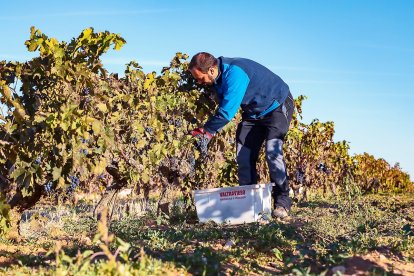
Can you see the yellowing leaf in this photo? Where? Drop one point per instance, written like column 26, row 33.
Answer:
column 159, row 136
column 141, row 143
column 176, row 143
column 100, row 166
column 118, row 44
column 138, row 127
column 145, row 176
column 39, row 118
column 87, row 33
column 149, row 80
column 102, row 107
column 96, row 127
column 196, row 154
column 56, row 173
column 61, row 183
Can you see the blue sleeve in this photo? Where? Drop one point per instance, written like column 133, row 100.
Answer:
column 235, row 82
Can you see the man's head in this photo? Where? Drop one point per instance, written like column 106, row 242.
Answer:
column 203, row 67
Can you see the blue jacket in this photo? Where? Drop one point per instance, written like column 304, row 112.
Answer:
column 247, row 84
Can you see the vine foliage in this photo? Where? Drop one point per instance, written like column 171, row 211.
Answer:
column 68, row 124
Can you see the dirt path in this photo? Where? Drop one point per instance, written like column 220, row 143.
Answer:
column 360, row 265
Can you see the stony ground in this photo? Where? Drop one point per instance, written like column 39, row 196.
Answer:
column 365, row 235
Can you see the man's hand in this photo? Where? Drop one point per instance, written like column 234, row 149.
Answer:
column 203, row 138
column 201, row 132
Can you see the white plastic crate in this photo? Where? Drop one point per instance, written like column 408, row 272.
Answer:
column 234, row 205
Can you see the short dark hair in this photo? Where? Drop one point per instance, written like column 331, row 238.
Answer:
column 202, row 61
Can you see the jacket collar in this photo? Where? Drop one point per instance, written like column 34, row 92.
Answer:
column 218, row 79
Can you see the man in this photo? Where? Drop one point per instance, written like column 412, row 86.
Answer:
column 267, row 106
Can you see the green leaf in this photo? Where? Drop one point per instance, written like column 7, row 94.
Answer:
column 278, row 254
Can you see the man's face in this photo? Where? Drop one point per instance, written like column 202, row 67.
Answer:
column 203, row 78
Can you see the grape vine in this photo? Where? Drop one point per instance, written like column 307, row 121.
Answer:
column 72, row 122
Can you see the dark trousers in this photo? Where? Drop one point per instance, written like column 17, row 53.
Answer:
column 270, row 129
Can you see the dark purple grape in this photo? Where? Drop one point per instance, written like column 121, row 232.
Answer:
column 38, row 160
column 202, row 143
column 299, row 176
column 320, row 167
column 174, row 164
column 48, row 187
column 323, row 168
column 85, row 91
column 149, row 130
column 192, row 163
column 74, row 182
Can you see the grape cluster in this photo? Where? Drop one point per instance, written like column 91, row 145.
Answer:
column 192, row 163
column 300, row 175
column 114, row 161
column 176, row 123
column 48, row 187
column 84, row 151
column 202, row 143
column 84, row 141
column 174, row 164
column 323, row 168
column 74, row 182
column 149, row 130
column 86, row 91
column 134, row 140
column 38, row 160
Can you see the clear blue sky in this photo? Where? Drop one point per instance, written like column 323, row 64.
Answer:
column 353, row 59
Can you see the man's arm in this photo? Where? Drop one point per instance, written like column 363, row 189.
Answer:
column 235, row 86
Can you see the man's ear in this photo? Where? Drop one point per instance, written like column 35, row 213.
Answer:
column 211, row 71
